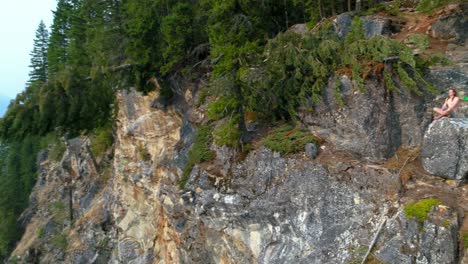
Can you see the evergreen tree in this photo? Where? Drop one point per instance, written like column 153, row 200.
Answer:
column 177, row 33
column 59, row 37
column 38, row 55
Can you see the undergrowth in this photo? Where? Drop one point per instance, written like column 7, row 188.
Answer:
column 101, row 140
column 200, row 152
column 420, row 210
column 288, row 140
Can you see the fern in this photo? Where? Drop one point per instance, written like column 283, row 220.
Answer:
column 389, row 82
column 406, row 80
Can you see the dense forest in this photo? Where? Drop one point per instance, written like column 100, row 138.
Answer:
column 240, row 47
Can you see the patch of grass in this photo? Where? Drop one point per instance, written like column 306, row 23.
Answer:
column 465, row 239
column 419, row 210
column 143, row 152
column 419, row 40
column 59, row 211
column 41, row 233
column 439, row 59
column 60, row 241
column 56, row 150
column 101, row 140
column 446, row 223
column 200, row 152
column 227, row 134
column 429, row 6
column 221, row 108
column 287, row 140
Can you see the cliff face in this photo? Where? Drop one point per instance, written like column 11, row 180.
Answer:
column 263, row 209
column 127, row 207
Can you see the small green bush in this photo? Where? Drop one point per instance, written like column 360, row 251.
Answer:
column 101, row 140
column 200, row 152
column 60, row 241
column 419, row 40
column 227, row 134
column 59, row 211
column 221, row 108
column 56, row 150
column 439, row 60
column 287, row 140
column 41, row 233
column 428, row 6
column 465, row 239
column 419, row 210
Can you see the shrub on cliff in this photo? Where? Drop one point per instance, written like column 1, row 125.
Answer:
column 419, row 210
column 288, row 140
column 200, row 152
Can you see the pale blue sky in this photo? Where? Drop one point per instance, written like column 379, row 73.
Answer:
column 18, row 23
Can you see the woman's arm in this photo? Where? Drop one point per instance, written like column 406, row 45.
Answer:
column 456, row 101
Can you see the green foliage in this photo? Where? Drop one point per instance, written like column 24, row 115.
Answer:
column 288, row 140
column 420, row 40
column 177, row 32
column 356, row 31
column 439, row 59
column 407, row 80
column 337, row 94
column 39, row 63
column 41, row 233
column 465, row 239
column 220, row 108
column 60, row 241
column 419, row 210
column 228, row 133
column 101, row 140
column 9, row 232
column 143, row 152
column 17, row 174
column 59, row 211
column 428, row 6
column 56, row 150
column 200, row 152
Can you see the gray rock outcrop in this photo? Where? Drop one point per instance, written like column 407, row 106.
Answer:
column 445, row 148
column 452, row 26
column 405, row 241
column 374, row 25
column 374, row 124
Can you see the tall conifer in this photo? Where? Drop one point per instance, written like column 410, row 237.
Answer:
column 39, row 63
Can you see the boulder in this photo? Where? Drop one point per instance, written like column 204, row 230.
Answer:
column 445, row 148
column 374, row 25
column 311, row 150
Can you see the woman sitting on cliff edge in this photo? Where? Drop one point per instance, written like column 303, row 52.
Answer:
column 448, row 109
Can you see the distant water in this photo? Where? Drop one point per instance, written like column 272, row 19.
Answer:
column 4, row 101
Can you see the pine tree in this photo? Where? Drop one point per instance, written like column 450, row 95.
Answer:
column 59, row 37
column 39, row 63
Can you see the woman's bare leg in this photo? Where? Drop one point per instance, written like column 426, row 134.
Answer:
column 438, row 110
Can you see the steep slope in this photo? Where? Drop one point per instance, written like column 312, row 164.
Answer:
column 262, row 207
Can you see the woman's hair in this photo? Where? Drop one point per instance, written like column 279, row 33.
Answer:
column 454, row 91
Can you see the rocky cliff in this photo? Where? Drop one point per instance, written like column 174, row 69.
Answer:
column 356, row 196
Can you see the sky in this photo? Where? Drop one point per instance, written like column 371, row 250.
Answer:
column 19, row 20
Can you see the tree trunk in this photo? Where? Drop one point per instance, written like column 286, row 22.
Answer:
column 286, row 13
column 358, row 5
column 240, row 111
column 320, row 8
column 349, row 5
column 333, row 7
